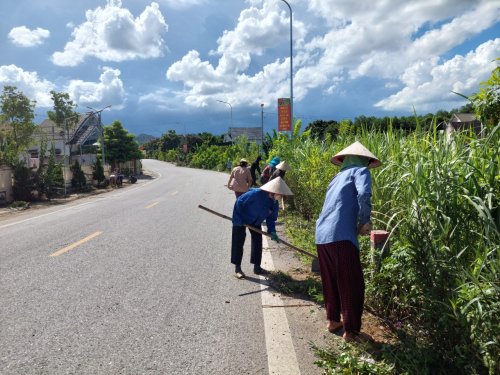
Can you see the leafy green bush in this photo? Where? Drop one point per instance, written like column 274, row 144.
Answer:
column 20, row 205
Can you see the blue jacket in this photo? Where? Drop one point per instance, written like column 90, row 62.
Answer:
column 253, row 208
column 347, row 205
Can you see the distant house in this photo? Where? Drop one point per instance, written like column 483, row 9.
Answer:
column 69, row 144
column 463, row 121
column 252, row 134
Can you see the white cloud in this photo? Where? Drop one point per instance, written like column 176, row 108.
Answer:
column 109, row 90
column 399, row 43
column 163, row 100
column 257, row 30
column 182, row 4
column 113, row 34
column 382, row 41
column 28, row 83
column 24, row 37
column 428, row 84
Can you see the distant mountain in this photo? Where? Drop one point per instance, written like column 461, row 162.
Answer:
column 144, row 138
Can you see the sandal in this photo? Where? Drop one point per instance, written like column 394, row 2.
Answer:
column 334, row 326
column 239, row 275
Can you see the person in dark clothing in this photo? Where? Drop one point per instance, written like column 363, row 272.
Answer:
column 252, row 208
column 255, row 167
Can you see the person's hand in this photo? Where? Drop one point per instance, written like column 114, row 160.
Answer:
column 365, row 229
column 275, row 237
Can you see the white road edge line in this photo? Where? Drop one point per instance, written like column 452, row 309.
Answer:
column 79, row 205
column 281, row 356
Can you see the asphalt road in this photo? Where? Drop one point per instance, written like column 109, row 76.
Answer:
column 136, row 281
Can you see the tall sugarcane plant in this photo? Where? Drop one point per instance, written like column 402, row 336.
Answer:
column 438, row 195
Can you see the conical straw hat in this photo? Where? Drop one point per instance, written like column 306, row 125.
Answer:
column 277, row 186
column 284, row 166
column 356, row 149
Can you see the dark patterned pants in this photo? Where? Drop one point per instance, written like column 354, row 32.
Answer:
column 343, row 283
column 238, row 241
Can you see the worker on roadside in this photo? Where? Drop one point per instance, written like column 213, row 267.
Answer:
column 268, row 170
column 280, row 171
column 252, row 208
column 240, row 179
column 253, row 168
column 345, row 215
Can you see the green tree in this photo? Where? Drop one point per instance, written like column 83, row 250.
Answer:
column 98, row 172
column 346, row 127
column 50, row 178
column 63, row 115
column 487, row 100
column 319, row 128
column 170, row 141
column 78, row 181
column 119, row 144
column 17, row 115
column 23, row 183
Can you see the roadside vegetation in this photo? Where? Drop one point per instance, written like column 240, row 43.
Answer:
column 18, row 133
column 437, row 286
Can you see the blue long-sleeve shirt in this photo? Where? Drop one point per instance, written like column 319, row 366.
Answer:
column 253, row 208
column 347, row 205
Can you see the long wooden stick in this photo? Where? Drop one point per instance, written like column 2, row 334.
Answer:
column 258, row 231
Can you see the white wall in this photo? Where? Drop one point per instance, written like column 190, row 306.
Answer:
column 5, row 184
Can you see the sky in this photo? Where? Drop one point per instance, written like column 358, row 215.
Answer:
column 204, row 65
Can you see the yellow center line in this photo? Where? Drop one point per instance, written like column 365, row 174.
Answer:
column 152, row 204
column 72, row 246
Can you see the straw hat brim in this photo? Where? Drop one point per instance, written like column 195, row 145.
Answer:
column 277, row 186
column 284, row 166
column 359, row 150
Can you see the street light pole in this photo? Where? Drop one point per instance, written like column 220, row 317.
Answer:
column 231, row 107
column 262, row 127
column 291, row 62
column 98, row 112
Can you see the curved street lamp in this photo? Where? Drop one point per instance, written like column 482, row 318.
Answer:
column 221, row 101
column 98, row 112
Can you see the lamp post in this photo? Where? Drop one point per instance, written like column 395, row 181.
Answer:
column 262, row 127
column 98, row 112
column 231, row 107
column 291, row 62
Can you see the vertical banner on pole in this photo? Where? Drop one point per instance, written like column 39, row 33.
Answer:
column 284, row 115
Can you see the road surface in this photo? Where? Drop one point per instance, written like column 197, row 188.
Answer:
column 138, row 281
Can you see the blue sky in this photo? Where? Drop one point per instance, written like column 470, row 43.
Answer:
column 165, row 64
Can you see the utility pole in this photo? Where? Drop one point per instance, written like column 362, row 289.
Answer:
column 291, row 63
column 262, row 127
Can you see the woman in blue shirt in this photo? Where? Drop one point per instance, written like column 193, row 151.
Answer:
column 252, row 208
column 346, row 213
